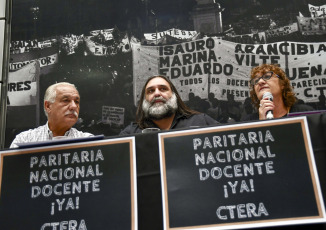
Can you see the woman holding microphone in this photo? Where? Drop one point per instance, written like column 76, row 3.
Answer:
column 272, row 94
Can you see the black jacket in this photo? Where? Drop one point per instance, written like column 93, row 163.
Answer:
column 294, row 109
column 180, row 121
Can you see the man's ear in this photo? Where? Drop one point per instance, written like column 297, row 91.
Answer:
column 47, row 106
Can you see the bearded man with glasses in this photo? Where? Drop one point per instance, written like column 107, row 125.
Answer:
column 270, row 78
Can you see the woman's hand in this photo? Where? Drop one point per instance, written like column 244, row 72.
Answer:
column 264, row 106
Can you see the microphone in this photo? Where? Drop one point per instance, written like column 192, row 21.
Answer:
column 269, row 114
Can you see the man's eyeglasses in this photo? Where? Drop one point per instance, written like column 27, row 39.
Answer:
column 265, row 77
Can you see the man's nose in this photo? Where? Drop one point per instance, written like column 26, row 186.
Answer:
column 73, row 104
column 157, row 92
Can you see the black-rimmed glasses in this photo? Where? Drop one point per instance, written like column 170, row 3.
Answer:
column 265, row 77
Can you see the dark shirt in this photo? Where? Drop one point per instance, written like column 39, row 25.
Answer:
column 294, row 109
column 180, row 121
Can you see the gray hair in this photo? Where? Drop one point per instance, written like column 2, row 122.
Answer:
column 51, row 93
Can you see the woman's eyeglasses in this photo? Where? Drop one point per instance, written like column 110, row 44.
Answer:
column 265, row 77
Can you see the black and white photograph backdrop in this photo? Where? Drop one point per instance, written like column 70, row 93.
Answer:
column 108, row 48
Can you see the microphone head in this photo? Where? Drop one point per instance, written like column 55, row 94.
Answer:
column 268, row 95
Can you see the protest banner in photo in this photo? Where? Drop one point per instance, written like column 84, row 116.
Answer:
column 44, row 61
column 240, row 176
column 47, row 58
column 23, row 85
column 70, row 43
column 312, row 26
column 88, row 185
column 125, row 44
column 23, row 46
column 113, row 115
column 47, row 43
column 107, row 33
column 281, row 31
column 177, row 33
column 254, row 38
column 223, row 67
column 98, row 49
column 17, row 47
column 317, row 11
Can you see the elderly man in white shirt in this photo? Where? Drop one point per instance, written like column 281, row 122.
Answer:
column 61, row 106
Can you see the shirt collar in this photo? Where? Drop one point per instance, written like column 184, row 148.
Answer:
column 50, row 132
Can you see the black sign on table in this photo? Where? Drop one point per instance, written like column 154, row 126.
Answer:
column 239, row 176
column 79, row 186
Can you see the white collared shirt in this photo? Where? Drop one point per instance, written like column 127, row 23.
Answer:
column 43, row 133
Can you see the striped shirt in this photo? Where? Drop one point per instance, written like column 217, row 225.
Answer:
column 43, row 133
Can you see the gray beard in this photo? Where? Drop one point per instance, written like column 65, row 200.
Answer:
column 162, row 110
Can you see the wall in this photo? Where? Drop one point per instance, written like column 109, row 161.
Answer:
column 108, row 48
